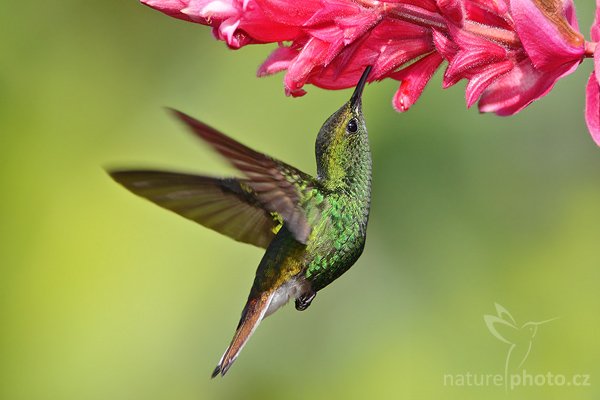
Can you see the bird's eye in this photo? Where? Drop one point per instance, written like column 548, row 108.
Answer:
column 352, row 126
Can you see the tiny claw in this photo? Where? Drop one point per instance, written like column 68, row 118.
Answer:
column 304, row 300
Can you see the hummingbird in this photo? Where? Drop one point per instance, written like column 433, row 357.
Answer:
column 313, row 228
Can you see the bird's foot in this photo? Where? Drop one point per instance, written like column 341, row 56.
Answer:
column 304, row 300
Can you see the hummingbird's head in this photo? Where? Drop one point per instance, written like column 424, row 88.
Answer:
column 342, row 146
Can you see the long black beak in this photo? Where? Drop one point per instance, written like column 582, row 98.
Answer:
column 355, row 99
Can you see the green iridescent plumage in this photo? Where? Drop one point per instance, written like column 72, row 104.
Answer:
column 313, row 228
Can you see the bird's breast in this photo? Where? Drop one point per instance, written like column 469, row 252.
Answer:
column 337, row 240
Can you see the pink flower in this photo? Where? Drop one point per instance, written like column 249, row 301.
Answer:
column 552, row 48
column 511, row 52
column 238, row 23
column 592, row 103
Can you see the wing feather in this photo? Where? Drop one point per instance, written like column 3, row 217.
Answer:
column 278, row 186
column 228, row 206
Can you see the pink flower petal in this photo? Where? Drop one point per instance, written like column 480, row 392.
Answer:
column 546, row 35
column 452, row 10
column 479, row 82
column 397, row 53
column 394, row 43
column 444, row 45
column 569, row 11
column 255, row 24
column 474, row 51
column 331, row 10
column 286, row 12
column 517, row 89
column 414, row 79
column 597, row 63
column 169, row 7
column 429, row 5
column 498, row 7
column 331, row 78
column 488, row 12
column 595, row 30
column 355, row 25
column 345, row 70
column 592, row 108
column 211, row 9
column 227, row 29
column 278, row 60
column 314, row 52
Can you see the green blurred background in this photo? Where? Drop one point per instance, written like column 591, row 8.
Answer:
column 106, row 296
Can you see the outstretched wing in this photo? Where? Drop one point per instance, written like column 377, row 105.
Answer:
column 228, row 206
column 279, row 187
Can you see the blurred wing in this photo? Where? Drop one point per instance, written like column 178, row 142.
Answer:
column 279, row 187
column 227, row 206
